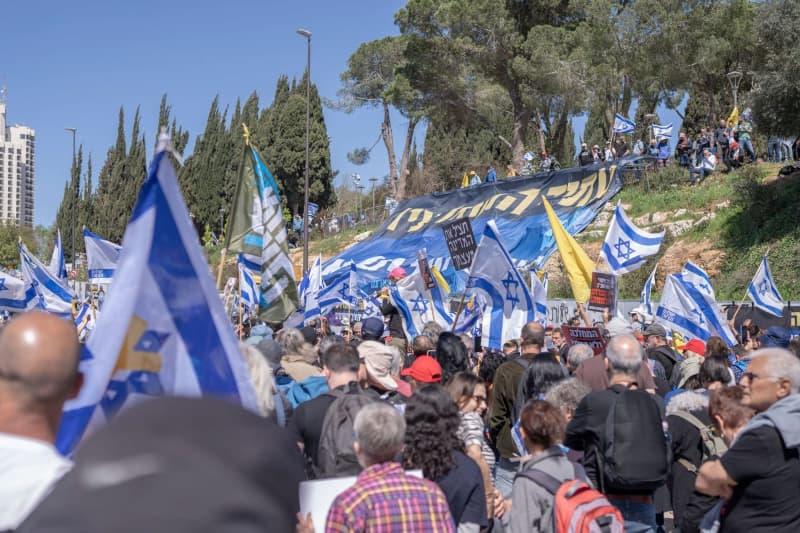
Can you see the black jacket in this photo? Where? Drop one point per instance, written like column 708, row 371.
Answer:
column 395, row 320
column 666, row 356
column 585, row 158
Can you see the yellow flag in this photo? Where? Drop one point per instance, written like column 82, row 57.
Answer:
column 733, row 118
column 440, row 280
column 465, row 180
column 579, row 266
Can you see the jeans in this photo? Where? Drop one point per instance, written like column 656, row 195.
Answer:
column 747, row 146
column 504, row 474
column 702, row 172
column 639, row 517
column 774, row 151
column 684, row 160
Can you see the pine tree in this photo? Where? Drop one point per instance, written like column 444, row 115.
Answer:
column 109, row 182
column 85, row 214
column 68, row 212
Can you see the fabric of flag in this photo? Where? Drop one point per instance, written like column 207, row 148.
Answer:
column 102, row 257
column 52, row 295
column 647, row 290
column 313, row 209
column 278, row 286
column 367, row 305
column 340, row 290
column 662, row 132
column 697, row 278
column 310, row 287
column 623, row 125
column 85, row 320
column 577, row 264
column 417, row 305
column 626, row 247
column 539, row 293
column 57, row 266
column 495, row 279
column 763, row 291
column 163, row 329
column 733, row 118
column 683, row 309
column 470, row 318
column 249, row 269
column 16, row 295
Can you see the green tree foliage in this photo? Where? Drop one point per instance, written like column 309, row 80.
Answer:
column 777, row 98
column 68, row 214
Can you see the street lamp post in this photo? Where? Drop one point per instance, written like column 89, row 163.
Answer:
column 735, row 77
column 307, row 34
column 373, row 180
column 73, row 131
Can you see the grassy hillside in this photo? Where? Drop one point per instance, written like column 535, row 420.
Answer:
column 724, row 224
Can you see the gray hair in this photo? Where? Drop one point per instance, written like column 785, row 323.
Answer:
column 567, row 394
column 293, row 342
column 327, row 342
column 432, row 330
column 781, row 364
column 578, row 353
column 261, row 377
column 624, row 355
column 380, row 431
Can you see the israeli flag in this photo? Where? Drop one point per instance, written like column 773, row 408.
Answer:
column 249, row 269
column 163, row 330
column 367, row 305
column 647, row 290
column 493, row 276
column 470, row 318
column 684, row 309
column 763, row 291
column 102, row 257
column 623, row 125
column 539, row 292
column 52, row 295
column 627, row 247
column 697, row 278
column 340, row 290
column 310, row 295
column 662, row 132
column 57, row 266
column 16, row 296
column 85, row 321
column 418, row 305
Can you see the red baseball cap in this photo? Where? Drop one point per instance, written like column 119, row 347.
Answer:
column 424, row 369
column 695, row 345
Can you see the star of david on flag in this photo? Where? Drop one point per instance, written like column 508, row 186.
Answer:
column 626, row 247
column 417, row 305
column 763, row 291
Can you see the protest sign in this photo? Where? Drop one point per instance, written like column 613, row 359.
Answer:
column 425, row 270
column 461, row 242
column 316, row 496
column 603, row 293
column 591, row 336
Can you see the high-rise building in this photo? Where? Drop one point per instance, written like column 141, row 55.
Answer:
column 17, row 165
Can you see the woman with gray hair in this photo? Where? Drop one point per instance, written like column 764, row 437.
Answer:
column 300, row 359
column 566, row 395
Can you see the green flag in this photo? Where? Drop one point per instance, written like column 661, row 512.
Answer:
column 256, row 228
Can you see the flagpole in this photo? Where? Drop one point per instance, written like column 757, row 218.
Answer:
column 746, row 290
column 241, row 312
column 460, row 308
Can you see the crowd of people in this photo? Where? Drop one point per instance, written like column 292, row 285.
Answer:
column 646, row 435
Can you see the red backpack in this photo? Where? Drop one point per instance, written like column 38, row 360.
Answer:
column 577, row 507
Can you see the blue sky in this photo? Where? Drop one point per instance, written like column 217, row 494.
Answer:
column 72, row 64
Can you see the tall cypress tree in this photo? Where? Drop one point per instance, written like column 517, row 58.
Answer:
column 68, row 212
column 109, row 182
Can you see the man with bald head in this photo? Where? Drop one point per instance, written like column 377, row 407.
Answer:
column 504, row 395
column 640, row 433
column 39, row 356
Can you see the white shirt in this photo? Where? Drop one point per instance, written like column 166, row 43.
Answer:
column 28, row 470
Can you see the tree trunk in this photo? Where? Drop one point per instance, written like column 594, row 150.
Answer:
column 388, row 140
column 403, row 171
column 522, row 117
column 558, row 139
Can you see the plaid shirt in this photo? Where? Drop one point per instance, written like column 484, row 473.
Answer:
column 385, row 500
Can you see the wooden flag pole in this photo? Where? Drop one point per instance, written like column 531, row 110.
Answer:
column 460, row 308
column 221, row 266
column 739, row 307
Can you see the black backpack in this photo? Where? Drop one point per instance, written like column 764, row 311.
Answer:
column 636, row 455
column 336, row 456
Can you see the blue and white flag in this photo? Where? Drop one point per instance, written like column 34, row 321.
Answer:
column 763, row 291
column 647, row 290
column 418, row 305
column 627, row 247
column 57, row 266
column 85, row 321
column 662, row 132
column 367, row 305
column 340, row 290
column 102, row 257
column 163, row 329
column 249, row 272
column 493, row 276
column 623, row 125
column 52, row 295
column 313, row 209
column 309, row 294
column 539, row 293
column 16, row 296
column 697, row 278
column 685, row 309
